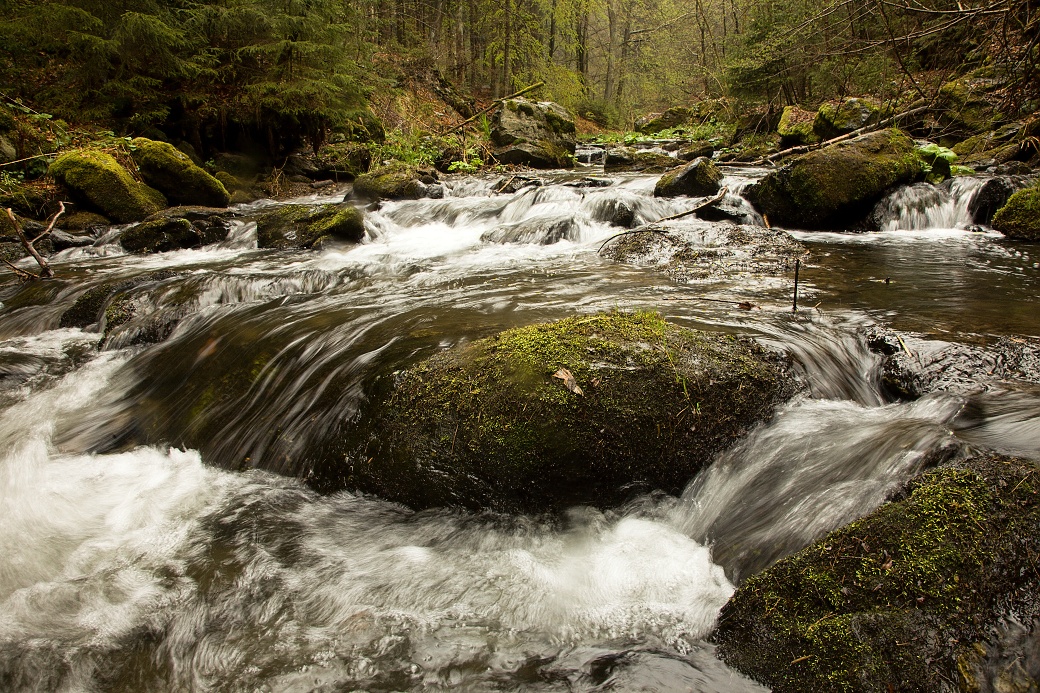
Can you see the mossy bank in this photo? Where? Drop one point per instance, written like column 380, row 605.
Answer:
column 497, row 424
column 897, row 600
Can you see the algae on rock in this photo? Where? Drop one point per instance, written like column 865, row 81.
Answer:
column 489, row 426
column 96, row 178
column 891, row 601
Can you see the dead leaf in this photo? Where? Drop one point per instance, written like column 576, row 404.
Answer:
column 568, row 380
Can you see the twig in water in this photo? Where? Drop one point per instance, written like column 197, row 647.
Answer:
column 797, row 267
column 649, row 228
column 30, row 247
column 706, row 203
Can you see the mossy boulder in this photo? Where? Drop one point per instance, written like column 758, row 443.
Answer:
column 631, row 159
column 81, row 221
column 160, row 236
column 95, row 178
column 1020, row 217
column 968, row 107
column 172, row 172
column 397, row 181
column 796, row 127
column 698, row 178
column 833, row 120
column 306, row 226
column 895, row 600
column 837, row 186
column 587, row 410
column 670, row 119
column 539, row 134
column 695, row 150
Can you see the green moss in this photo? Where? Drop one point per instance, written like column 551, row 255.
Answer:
column 796, row 127
column 97, row 179
column 698, row 178
column 173, row 173
column 393, row 181
column 888, row 599
column 1020, row 217
column 80, row 221
column 490, row 426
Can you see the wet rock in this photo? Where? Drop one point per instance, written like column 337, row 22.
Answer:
column 913, row 366
column 993, row 195
column 306, row 226
column 513, row 184
column 544, row 230
column 691, row 251
column 212, row 223
column 695, row 150
column 629, row 159
column 585, row 183
column 1019, row 218
column 101, row 183
column 539, row 134
column 172, row 172
column 160, row 236
column 89, row 307
column 496, row 425
column 898, row 598
column 796, row 127
column 396, row 181
column 696, row 179
column 837, row 186
column 616, row 212
column 81, row 221
column 61, row 240
column 833, row 120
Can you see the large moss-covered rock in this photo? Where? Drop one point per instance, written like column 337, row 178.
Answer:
column 672, row 118
column 305, row 226
column 1020, row 217
column 497, row 424
column 833, row 120
column 101, row 183
column 896, row 600
column 835, row 187
column 796, row 127
column 397, row 181
column 631, row 159
column 700, row 177
column 538, row 134
column 172, row 172
column 968, row 107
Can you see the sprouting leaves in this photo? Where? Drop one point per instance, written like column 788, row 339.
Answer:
column 568, row 380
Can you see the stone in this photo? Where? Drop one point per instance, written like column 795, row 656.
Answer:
column 161, row 235
column 306, row 226
column 833, row 120
column 494, row 424
column 695, row 150
column 101, row 183
column 396, row 181
column 538, row 134
column 796, row 127
column 670, row 119
column 172, row 172
column 1019, row 218
column 837, row 186
column 629, row 159
column 697, row 179
column 993, row 195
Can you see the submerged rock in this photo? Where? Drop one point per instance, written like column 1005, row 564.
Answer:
column 837, row 186
column 543, row 230
column 699, row 178
column 99, row 181
column 89, row 307
column 538, row 134
column 588, row 410
column 305, row 226
column 691, row 251
column 1019, row 218
column 899, row 599
column 175, row 175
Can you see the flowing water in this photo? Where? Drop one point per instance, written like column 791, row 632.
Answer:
column 158, row 524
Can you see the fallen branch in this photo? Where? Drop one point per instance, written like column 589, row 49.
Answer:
column 30, row 246
column 706, row 203
column 642, row 229
column 492, row 106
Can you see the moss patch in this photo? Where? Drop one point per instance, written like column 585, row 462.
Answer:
column 303, row 226
column 888, row 602
column 97, row 179
column 394, row 181
column 173, row 173
column 489, row 426
column 700, row 177
column 796, row 127
column 836, row 186
column 1020, row 217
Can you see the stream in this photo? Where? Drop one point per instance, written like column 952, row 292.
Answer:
column 162, row 531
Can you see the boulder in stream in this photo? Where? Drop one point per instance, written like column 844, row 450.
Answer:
column 837, row 186
column 1019, row 218
column 697, row 179
column 539, row 134
column 587, row 410
column 397, row 181
column 833, row 120
column 631, row 159
column 307, row 226
column 161, row 235
column 175, row 175
column 95, row 178
column 902, row 599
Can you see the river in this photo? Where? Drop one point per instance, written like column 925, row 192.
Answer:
column 160, row 531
